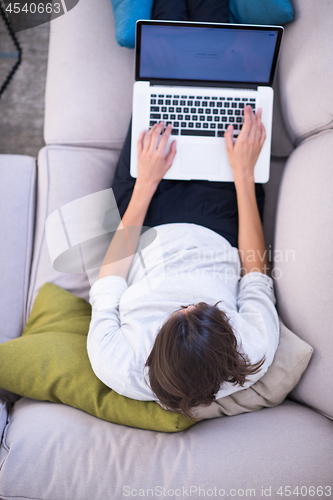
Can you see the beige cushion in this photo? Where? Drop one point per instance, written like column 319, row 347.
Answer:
column 89, row 79
column 291, row 360
column 306, row 69
column 65, row 174
column 303, row 262
column 53, row 451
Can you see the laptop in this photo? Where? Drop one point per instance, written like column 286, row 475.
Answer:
column 199, row 77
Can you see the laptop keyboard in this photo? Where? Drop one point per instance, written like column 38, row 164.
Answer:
column 205, row 116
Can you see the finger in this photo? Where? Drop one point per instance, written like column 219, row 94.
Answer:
column 229, row 143
column 147, row 138
column 140, row 144
column 259, row 115
column 263, row 136
column 164, row 139
column 253, row 130
column 248, row 116
column 258, row 124
column 155, row 136
column 172, row 153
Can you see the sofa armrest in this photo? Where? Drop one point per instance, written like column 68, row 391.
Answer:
column 17, row 198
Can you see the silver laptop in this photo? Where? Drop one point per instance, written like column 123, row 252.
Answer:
column 199, row 77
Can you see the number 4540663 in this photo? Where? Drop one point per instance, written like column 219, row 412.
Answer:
column 33, row 8
column 303, row 491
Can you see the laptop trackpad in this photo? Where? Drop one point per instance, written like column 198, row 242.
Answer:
column 199, row 160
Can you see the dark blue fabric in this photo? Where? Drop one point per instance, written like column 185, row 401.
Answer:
column 191, row 10
column 127, row 12
column 276, row 12
column 206, row 203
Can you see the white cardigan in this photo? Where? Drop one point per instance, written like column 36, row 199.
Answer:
column 185, row 264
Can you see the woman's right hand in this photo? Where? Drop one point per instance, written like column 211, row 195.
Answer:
column 243, row 154
column 153, row 161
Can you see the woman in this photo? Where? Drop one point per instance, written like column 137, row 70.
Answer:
column 153, row 347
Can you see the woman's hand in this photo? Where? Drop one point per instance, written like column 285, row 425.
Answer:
column 243, row 154
column 152, row 160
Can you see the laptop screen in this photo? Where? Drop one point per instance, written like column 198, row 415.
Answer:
column 235, row 54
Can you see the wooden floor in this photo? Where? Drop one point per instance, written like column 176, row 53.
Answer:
column 22, row 103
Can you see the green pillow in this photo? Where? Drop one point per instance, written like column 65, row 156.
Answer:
column 49, row 362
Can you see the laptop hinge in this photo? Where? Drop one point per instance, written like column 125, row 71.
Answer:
column 226, row 85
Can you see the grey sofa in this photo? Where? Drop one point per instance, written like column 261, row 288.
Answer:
column 55, row 452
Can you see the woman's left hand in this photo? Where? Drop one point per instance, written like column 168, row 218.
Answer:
column 152, row 160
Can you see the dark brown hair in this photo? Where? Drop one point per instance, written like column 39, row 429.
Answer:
column 193, row 354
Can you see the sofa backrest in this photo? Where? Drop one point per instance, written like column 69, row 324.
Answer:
column 17, row 195
column 306, row 70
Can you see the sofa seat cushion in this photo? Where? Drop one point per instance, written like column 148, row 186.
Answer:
column 79, row 457
column 305, row 70
column 64, row 175
column 302, row 268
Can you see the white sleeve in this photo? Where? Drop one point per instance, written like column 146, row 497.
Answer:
column 109, row 354
column 257, row 319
